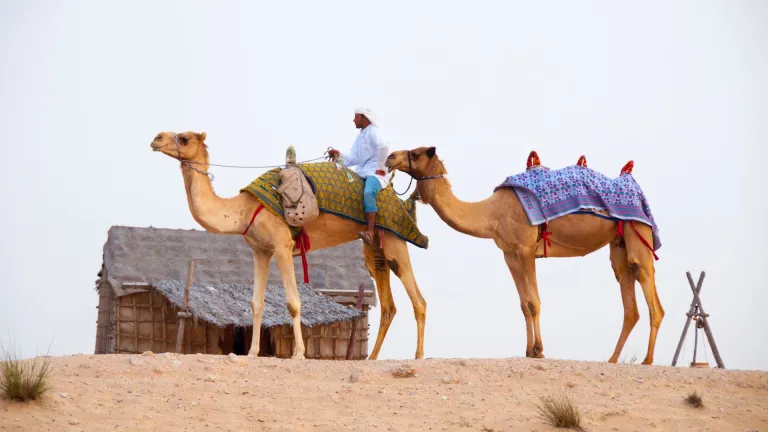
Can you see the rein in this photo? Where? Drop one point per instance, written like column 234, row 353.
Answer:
column 187, row 163
column 410, row 173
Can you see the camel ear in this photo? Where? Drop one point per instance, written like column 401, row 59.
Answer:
column 202, row 136
column 431, row 152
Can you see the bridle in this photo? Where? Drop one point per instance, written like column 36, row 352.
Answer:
column 410, row 173
column 178, row 150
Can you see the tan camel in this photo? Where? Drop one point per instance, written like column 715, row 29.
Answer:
column 270, row 236
column 501, row 217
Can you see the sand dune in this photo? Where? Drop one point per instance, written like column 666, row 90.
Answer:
column 197, row 392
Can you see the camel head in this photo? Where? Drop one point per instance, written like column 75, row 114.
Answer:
column 184, row 145
column 419, row 162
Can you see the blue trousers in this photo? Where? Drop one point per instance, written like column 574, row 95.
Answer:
column 372, row 187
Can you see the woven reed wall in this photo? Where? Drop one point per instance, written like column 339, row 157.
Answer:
column 148, row 322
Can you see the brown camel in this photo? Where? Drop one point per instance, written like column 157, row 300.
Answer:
column 501, row 217
column 270, row 236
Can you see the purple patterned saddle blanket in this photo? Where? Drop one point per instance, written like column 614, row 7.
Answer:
column 549, row 194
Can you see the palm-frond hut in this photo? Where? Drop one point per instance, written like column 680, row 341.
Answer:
column 142, row 284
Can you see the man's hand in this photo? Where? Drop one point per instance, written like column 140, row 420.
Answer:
column 333, row 155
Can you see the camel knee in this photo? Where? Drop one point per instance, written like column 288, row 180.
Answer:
column 534, row 308
column 420, row 310
column 387, row 314
column 294, row 307
column 631, row 318
column 526, row 310
column 656, row 317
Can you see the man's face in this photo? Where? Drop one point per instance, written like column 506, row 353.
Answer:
column 360, row 121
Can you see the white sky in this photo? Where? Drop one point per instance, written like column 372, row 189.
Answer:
column 680, row 88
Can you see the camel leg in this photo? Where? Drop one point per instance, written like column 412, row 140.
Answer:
column 380, row 274
column 528, row 302
column 284, row 259
column 399, row 262
column 640, row 261
column 260, row 274
column 627, row 284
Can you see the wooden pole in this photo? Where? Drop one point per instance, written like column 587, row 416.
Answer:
column 359, row 306
column 689, row 315
column 703, row 316
column 185, row 312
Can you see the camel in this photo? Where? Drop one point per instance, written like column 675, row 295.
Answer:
column 268, row 236
column 501, row 217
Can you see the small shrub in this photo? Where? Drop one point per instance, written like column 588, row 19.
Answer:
column 694, row 399
column 560, row 412
column 23, row 380
column 633, row 360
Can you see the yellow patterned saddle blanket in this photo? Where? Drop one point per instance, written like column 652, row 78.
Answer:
column 340, row 192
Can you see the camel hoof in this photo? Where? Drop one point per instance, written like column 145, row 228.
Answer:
column 299, row 356
column 647, row 362
column 538, row 356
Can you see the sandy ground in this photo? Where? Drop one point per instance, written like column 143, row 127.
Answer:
column 198, row 392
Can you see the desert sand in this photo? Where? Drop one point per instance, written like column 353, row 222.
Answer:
column 172, row 392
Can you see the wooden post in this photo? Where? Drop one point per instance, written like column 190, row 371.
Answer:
column 185, row 312
column 697, row 310
column 703, row 316
column 359, row 306
column 689, row 315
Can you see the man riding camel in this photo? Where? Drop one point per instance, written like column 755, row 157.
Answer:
column 369, row 152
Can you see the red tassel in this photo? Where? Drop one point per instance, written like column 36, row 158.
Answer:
column 533, row 160
column 545, row 237
column 582, row 161
column 627, row 169
column 302, row 242
column 620, row 229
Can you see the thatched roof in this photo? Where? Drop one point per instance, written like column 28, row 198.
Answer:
column 140, row 257
column 227, row 304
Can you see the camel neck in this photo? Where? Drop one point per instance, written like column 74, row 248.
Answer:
column 471, row 218
column 209, row 210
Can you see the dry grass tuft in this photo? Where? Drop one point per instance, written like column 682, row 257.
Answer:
column 560, row 412
column 23, row 380
column 633, row 360
column 694, row 399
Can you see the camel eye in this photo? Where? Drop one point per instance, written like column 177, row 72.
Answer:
column 183, row 140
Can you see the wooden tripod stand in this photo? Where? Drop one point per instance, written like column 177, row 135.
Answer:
column 696, row 313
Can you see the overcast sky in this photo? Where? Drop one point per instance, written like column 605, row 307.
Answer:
column 679, row 87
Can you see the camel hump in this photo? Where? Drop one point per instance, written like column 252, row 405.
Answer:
column 627, row 169
column 533, row 160
column 582, row 161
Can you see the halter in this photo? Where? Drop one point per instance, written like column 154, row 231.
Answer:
column 178, row 150
column 410, row 173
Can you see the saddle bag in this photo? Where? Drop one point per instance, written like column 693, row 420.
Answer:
column 297, row 196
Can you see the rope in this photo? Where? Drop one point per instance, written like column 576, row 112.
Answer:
column 251, row 167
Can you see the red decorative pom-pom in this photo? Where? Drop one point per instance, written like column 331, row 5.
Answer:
column 582, row 161
column 628, row 168
column 533, row 160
